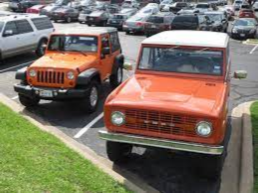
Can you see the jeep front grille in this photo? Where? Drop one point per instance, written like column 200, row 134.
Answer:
column 161, row 122
column 53, row 77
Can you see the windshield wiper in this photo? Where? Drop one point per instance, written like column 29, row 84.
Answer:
column 78, row 52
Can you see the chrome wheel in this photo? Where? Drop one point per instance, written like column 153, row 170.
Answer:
column 93, row 96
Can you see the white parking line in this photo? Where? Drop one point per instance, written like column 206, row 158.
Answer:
column 254, row 49
column 16, row 97
column 87, row 127
column 17, row 66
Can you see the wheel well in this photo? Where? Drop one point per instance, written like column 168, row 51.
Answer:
column 97, row 78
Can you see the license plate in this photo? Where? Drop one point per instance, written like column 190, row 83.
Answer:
column 242, row 35
column 46, row 93
column 114, row 22
column 153, row 26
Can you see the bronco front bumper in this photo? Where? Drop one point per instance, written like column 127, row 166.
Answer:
column 50, row 93
column 162, row 143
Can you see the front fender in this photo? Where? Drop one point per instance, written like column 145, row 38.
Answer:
column 21, row 73
column 85, row 77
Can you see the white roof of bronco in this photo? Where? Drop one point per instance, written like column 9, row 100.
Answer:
column 87, row 30
column 189, row 38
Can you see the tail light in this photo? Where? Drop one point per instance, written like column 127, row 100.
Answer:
column 139, row 24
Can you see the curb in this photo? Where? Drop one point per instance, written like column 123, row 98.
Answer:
column 131, row 181
column 246, row 178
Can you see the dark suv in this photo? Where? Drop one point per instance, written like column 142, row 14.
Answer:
column 185, row 22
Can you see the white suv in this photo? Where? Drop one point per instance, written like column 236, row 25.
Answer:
column 24, row 33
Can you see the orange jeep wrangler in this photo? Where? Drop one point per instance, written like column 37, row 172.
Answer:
column 76, row 63
column 176, row 100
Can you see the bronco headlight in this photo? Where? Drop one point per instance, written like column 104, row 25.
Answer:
column 118, row 118
column 32, row 73
column 70, row 75
column 204, row 129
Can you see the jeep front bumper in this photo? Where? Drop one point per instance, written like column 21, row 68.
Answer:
column 57, row 94
column 162, row 143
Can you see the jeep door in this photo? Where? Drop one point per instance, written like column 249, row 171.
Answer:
column 106, row 61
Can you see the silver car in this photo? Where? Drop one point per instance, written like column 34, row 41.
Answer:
column 135, row 24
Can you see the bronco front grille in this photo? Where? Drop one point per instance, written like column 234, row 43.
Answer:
column 161, row 122
column 50, row 77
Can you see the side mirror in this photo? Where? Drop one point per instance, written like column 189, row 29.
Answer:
column 128, row 66
column 240, row 74
column 106, row 50
column 8, row 32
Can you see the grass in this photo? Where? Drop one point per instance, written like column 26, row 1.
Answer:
column 34, row 161
column 254, row 116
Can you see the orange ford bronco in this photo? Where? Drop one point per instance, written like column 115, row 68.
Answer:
column 176, row 100
column 76, row 63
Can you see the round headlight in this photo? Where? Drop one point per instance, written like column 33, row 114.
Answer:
column 118, row 118
column 32, row 73
column 70, row 75
column 204, row 129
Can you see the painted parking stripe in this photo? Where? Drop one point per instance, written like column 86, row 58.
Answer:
column 17, row 66
column 87, row 127
column 16, row 97
column 255, row 47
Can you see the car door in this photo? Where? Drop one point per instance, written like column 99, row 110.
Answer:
column 106, row 58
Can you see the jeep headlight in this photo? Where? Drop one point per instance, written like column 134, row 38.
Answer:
column 32, row 73
column 204, row 129
column 118, row 118
column 70, row 75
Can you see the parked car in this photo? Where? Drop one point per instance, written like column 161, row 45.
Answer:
column 255, row 6
column 135, row 24
column 187, row 11
column 237, row 4
column 176, row 7
column 219, row 20
column 130, row 11
column 22, row 5
column 158, row 23
column 98, row 18
column 177, row 100
column 117, row 20
column 84, row 15
column 246, row 13
column 185, row 22
column 230, row 10
column 35, row 9
column 49, row 9
column 244, row 28
column 91, row 57
column 112, row 8
column 65, row 13
column 131, row 4
column 149, row 10
column 165, row 3
column 24, row 33
column 204, row 7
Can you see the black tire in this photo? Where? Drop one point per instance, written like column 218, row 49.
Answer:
column 69, row 20
column 127, row 33
column 27, row 101
column 118, row 152
column 93, row 89
column 40, row 49
column 117, row 78
column 89, row 24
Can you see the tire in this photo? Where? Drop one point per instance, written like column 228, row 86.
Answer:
column 127, row 33
column 118, row 152
column 117, row 78
column 89, row 24
column 92, row 97
column 40, row 49
column 27, row 101
column 69, row 20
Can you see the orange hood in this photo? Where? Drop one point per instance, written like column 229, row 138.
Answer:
column 171, row 94
column 72, row 61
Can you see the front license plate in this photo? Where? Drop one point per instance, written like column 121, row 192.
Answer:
column 46, row 93
column 242, row 35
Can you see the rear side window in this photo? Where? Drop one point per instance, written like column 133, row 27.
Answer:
column 114, row 41
column 23, row 26
column 156, row 19
column 42, row 23
column 186, row 19
column 10, row 29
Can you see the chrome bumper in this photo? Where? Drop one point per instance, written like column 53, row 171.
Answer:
column 161, row 143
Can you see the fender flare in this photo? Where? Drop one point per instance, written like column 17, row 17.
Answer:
column 86, row 76
column 21, row 74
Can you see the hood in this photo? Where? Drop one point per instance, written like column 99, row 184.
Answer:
column 244, row 27
column 195, row 96
column 72, row 61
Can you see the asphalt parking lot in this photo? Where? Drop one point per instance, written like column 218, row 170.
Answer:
column 168, row 172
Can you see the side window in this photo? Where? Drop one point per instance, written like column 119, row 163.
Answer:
column 105, row 45
column 23, row 26
column 42, row 23
column 10, row 29
column 114, row 41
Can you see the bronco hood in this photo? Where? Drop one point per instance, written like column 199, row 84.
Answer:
column 65, row 61
column 200, row 97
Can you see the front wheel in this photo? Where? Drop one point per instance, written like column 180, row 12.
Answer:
column 118, row 152
column 117, row 78
column 92, row 97
column 69, row 20
column 27, row 101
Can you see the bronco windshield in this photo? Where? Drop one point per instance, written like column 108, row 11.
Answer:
column 73, row 43
column 179, row 60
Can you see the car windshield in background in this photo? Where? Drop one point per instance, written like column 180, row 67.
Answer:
column 146, row 11
column 203, row 6
column 155, row 19
column 215, row 17
column 203, row 61
column 73, row 43
column 119, row 17
column 238, row 2
column 136, row 18
column 186, row 19
column 1, row 26
column 249, row 23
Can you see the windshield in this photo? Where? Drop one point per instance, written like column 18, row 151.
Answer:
column 186, row 19
column 245, row 23
column 1, row 26
column 136, row 18
column 146, row 11
column 73, row 43
column 204, row 6
column 238, row 2
column 119, row 17
column 215, row 17
column 179, row 60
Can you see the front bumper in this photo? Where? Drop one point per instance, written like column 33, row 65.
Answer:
column 57, row 94
column 242, row 35
column 162, row 143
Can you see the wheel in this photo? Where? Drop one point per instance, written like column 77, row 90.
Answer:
column 92, row 97
column 27, row 101
column 127, row 32
column 41, row 47
column 117, row 78
column 118, row 152
column 69, row 20
column 89, row 24
column 55, row 21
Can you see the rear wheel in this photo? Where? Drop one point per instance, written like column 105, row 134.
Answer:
column 117, row 78
column 92, row 97
column 118, row 152
column 69, row 20
column 27, row 101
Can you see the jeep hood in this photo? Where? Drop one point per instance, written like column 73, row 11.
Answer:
column 190, row 96
column 71, row 61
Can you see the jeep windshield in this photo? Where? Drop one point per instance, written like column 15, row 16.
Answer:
column 73, row 43
column 181, row 60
